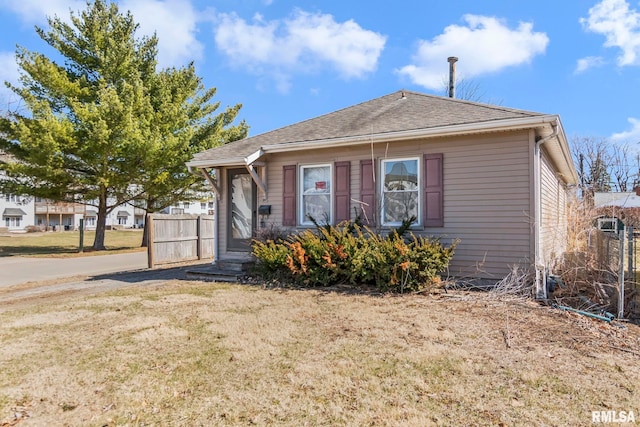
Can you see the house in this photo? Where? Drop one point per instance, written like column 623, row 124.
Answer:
column 617, row 209
column 16, row 210
column 495, row 178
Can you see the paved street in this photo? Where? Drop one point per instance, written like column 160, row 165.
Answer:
column 17, row 270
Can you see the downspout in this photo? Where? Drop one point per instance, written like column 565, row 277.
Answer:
column 541, row 277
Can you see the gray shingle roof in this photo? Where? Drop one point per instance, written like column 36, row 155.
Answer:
column 387, row 114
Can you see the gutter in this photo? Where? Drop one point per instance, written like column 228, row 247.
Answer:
column 541, row 277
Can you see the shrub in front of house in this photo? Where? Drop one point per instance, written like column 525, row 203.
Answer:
column 355, row 255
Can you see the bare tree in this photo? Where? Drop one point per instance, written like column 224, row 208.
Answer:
column 470, row 90
column 594, row 158
column 622, row 170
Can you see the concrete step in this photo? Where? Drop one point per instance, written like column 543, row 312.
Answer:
column 221, row 271
column 215, row 275
column 240, row 265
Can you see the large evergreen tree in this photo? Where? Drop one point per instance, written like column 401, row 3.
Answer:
column 105, row 127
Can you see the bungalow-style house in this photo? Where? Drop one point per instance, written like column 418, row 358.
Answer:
column 495, row 178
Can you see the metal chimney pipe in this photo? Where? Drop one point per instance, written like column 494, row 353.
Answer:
column 452, row 76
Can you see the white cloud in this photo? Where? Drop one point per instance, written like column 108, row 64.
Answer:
column 585, row 63
column 620, row 26
column 37, row 11
column 630, row 136
column 304, row 42
column 175, row 23
column 485, row 45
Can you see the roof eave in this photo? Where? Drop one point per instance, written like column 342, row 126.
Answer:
column 213, row 163
column 450, row 130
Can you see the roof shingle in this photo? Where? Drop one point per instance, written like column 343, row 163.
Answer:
column 395, row 112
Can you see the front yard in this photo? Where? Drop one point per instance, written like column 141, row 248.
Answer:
column 193, row 353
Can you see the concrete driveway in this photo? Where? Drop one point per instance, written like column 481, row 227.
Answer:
column 17, row 270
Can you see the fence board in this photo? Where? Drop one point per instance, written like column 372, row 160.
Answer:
column 179, row 238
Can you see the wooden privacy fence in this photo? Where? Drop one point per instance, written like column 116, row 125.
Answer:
column 178, row 238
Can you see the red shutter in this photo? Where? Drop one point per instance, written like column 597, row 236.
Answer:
column 368, row 192
column 342, row 193
column 289, row 195
column 434, row 191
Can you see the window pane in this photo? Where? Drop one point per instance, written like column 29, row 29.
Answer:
column 401, row 175
column 316, row 193
column 400, row 190
column 316, row 180
column 400, row 206
column 317, row 206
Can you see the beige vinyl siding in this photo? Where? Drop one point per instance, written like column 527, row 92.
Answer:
column 487, row 195
column 553, row 229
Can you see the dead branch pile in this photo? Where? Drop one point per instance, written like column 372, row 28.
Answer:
column 517, row 284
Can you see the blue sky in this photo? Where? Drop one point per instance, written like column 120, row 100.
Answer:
column 287, row 61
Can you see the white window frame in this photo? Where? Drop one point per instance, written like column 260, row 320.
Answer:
column 383, row 163
column 122, row 220
column 300, row 188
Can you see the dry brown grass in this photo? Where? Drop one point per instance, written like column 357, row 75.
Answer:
column 191, row 353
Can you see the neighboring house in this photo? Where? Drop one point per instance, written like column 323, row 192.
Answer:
column 51, row 215
column 20, row 212
column 16, row 210
column 616, row 209
column 494, row 177
column 205, row 206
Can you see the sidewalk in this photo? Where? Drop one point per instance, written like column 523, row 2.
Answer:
column 17, row 270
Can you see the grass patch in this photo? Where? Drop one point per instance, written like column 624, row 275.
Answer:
column 191, row 353
column 66, row 243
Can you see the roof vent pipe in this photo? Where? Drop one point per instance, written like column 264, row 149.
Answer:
column 452, row 76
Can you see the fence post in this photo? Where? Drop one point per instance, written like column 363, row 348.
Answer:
column 199, row 235
column 631, row 256
column 150, row 241
column 622, row 235
column 81, row 243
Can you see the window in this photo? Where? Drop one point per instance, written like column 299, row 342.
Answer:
column 203, row 205
column 12, row 221
column 122, row 220
column 400, row 190
column 316, row 194
column 90, row 221
column 210, row 205
column 186, row 205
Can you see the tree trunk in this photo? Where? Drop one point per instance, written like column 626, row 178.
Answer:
column 145, row 233
column 98, row 243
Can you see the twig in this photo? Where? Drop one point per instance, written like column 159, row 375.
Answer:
column 506, row 334
column 625, row 349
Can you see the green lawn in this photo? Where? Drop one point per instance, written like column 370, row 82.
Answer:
column 66, row 243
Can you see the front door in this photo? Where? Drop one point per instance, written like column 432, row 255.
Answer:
column 241, row 216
